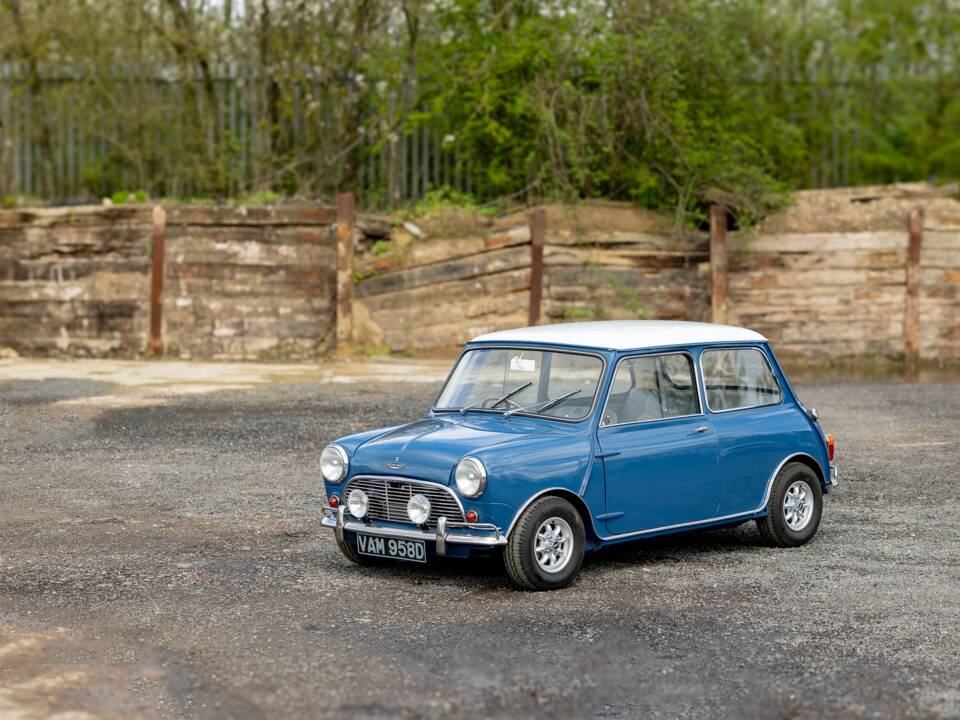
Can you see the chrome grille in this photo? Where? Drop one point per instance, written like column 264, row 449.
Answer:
column 389, row 496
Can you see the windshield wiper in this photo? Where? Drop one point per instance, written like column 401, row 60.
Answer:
column 463, row 411
column 547, row 404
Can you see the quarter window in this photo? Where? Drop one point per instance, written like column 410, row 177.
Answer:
column 652, row 387
column 738, row 378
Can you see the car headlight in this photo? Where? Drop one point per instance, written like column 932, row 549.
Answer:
column 418, row 509
column 471, row 477
column 357, row 503
column 334, row 463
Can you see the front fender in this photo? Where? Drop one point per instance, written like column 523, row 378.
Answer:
column 516, row 473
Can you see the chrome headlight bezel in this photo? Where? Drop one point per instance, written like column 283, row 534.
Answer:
column 418, row 509
column 358, row 503
column 343, row 459
column 467, row 486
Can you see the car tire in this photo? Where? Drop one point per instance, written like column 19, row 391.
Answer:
column 794, row 508
column 545, row 549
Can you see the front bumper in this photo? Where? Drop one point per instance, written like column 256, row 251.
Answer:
column 478, row 534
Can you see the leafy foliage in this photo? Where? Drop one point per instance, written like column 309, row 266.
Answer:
column 666, row 103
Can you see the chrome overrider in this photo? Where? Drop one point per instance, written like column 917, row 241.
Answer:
column 483, row 534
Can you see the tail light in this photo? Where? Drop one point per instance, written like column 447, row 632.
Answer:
column 830, row 447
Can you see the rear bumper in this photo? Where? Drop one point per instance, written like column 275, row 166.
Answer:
column 834, row 476
column 460, row 533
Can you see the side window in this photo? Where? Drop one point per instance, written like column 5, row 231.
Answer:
column 652, row 387
column 622, row 382
column 738, row 378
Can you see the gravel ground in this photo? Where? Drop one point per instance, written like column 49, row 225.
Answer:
column 161, row 558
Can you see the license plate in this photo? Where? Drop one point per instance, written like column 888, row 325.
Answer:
column 393, row 548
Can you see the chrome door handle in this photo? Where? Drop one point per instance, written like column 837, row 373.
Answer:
column 701, row 429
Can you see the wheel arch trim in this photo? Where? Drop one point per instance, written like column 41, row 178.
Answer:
column 807, row 460
column 566, row 494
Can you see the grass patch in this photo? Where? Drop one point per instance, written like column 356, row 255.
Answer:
column 267, row 197
column 124, row 197
column 372, row 350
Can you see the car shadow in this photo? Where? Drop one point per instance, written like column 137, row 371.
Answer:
column 679, row 547
column 477, row 573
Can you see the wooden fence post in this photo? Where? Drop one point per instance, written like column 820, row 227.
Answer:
column 538, row 231
column 346, row 221
column 911, row 310
column 157, row 254
column 718, row 263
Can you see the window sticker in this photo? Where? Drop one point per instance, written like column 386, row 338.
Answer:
column 520, row 364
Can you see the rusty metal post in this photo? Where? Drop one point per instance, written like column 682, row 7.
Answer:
column 718, row 263
column 538, row 232
column 157, row 254
column 911, row 309
column 346, row 221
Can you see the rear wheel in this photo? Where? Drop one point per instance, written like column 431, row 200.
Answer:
column 794, row 508
column 545, row 549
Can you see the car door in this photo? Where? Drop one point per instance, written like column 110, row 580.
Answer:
column 660, row 453
column 756, row 430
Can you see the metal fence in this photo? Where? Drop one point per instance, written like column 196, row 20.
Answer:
column 72, row 136
column 75, row 134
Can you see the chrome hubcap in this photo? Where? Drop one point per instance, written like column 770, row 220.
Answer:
column 553, row 545
column 798, row 505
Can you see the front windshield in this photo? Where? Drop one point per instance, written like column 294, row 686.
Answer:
column 528, row 381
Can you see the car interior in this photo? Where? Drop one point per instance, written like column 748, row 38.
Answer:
column 738, row 378
column 652, row 387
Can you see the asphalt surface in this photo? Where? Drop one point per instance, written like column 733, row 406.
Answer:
column 163, row 559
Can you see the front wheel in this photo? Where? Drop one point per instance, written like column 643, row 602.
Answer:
column 545, row 549
column 794, row 509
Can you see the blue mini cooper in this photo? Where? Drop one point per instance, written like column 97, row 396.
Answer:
column 553, row 440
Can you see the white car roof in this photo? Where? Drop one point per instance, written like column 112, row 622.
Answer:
column 625, row 334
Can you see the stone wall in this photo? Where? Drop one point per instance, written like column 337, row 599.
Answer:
column 240, row 283
column 454, row 278
column 939, row 330
column 439, row 292
column 830, row 276
column 613, row 261
column 827, row 276
column 75, row 280
column 249, row 283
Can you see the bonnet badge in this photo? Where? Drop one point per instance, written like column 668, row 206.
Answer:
column 395, row 464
